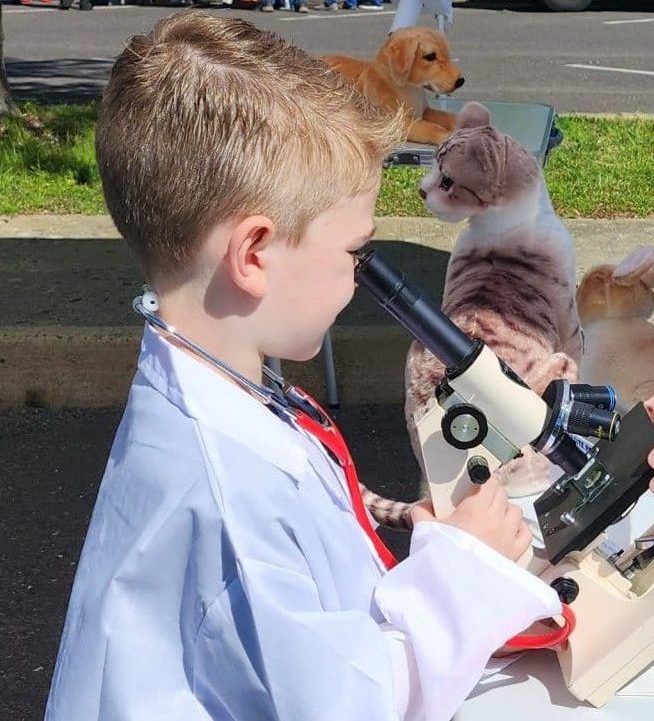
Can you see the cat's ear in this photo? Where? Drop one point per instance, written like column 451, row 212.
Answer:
column 637, row 266
column 473, row 115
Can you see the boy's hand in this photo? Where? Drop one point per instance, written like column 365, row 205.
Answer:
column 486, row 514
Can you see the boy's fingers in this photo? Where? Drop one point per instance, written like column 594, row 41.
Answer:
column 486, row 492
column 649, row 407
column 422, row 511
column 513, row 517
column 424, row 503
column 500, row 498
column 523, row 540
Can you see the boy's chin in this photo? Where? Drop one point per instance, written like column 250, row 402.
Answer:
column 301, row 355
column 306, row 355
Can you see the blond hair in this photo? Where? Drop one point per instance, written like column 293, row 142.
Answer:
column 207, row 118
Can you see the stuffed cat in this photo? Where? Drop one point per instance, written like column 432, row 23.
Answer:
column 614, row 305
column 511, row 277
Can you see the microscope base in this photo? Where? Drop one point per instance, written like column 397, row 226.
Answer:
column 600, row 658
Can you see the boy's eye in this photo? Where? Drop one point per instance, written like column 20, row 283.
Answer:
column 446, row 182
column 430, row 57
column 362, row 250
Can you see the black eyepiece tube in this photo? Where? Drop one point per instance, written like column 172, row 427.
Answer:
column 419, row 315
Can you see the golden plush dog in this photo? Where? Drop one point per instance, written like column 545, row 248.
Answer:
column 411, row 61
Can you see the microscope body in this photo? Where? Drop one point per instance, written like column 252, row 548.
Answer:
column 467, row 420
column 614, row 635
column 482, row 415
column 613, row 640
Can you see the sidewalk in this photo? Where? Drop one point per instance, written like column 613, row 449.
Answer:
column 69, row 337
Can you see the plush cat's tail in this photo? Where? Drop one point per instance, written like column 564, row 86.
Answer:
column 386, row 511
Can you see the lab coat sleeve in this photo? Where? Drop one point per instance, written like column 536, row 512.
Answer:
column 447, row 608
column 267, row 650
column 456, row 601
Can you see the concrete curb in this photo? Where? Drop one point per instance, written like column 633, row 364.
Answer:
column 68, row 367
column 59, row 359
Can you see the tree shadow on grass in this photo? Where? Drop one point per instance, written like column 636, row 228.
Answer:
column 65, row 80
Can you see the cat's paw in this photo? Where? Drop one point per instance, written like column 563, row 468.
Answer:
column 556, row 366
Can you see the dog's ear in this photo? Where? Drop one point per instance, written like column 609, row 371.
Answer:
column 401, row 53
column 637, row 266
column 473, row 115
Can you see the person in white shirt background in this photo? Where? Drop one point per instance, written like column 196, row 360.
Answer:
column 224, row 574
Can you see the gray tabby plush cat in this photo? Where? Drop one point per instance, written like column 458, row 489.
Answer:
column 511, row 277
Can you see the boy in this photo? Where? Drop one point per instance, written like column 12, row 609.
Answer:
column 224, row 575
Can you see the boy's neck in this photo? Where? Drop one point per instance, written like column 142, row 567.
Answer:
column 223, row 338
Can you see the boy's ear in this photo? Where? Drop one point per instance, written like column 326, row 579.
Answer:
column 245, row 254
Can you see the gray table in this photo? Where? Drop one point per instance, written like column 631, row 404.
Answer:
column 533, row 688
column 528, row 123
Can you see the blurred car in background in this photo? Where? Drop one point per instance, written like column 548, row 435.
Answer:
column 567, row 5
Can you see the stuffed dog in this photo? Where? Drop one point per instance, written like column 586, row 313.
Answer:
column 614, row 305
column 411, row 61
column 511, row 277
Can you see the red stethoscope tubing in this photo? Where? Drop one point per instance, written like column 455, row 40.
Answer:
column 332, row 439
column 526, row 642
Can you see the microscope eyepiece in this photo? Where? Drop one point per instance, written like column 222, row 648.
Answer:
column 417, row 313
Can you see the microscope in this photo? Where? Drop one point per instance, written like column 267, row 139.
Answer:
column 481, row 416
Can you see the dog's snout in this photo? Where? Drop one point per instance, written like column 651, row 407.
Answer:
column 423, row 195
column 459, row 82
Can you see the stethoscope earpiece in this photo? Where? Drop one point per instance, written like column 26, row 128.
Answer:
column 150, row 300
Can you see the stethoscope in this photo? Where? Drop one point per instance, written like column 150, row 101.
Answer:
column 295, row 405
column 290, row 403
column 283, row 398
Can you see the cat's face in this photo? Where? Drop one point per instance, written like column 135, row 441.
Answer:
column 476, row 169
column 447, row 198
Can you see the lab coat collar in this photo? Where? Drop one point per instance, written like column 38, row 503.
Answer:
column 204, row 394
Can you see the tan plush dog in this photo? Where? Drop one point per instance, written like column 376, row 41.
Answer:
column 614, row 304
column 411, row 61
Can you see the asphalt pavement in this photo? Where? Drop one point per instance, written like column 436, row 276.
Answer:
column 51, row 463
column 597, row 61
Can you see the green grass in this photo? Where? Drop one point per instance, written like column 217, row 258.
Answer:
column 51, row 168
column 603, row 169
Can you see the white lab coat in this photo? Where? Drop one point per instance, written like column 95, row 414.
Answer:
column 224, row 576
